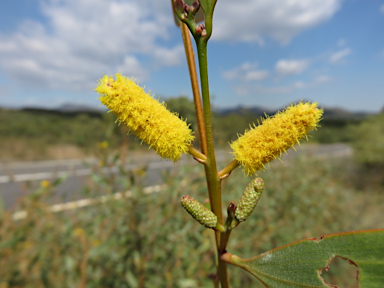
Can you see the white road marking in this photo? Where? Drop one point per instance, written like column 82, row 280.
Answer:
column 77, row 172
column 87, row 171
column 90, row 201
column 49, row 163
column 108, row 170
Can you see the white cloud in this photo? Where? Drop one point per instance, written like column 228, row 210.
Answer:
column 382, row 8
column 169, row 57
column 257, row 75
column 253, row 20
column 242, row 90
column 341, row 42
column 323, row 79
column 245, row 90
column 299, row 85
column 86, row 38
column 131, row 66
column 285, row 67
column 246, row 72
column 339, row 56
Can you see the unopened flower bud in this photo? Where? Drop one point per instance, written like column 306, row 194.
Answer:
column 199, row 212
column 196, row 6
column 200, row 29
column 179, row 6
column 249, row 199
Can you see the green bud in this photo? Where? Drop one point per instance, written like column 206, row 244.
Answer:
column 199, row 212
column 249, row 199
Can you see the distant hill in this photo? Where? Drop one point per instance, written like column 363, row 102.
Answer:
column 329, row 113
column 344, row 114
column 68, row 109
column 241, row 110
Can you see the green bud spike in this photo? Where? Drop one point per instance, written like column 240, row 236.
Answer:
column 199, row 212
column 249, row 199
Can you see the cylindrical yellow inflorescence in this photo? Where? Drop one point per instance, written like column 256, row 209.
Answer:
column 146, row 117
column 275, row 135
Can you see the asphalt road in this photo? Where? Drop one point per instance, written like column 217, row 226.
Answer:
column 20, row 178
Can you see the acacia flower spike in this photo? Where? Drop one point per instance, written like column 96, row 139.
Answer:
column 249, row 199
column 201, row 213
column 146, row 117
column 275, row 135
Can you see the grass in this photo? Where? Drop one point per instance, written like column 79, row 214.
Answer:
column 148, row 240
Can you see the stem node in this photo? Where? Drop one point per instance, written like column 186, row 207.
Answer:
column 224, row 176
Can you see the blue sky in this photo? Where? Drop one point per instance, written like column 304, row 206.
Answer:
column 263, row 52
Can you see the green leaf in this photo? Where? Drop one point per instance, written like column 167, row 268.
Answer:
column 208, row 7
column 60, row 180
column 131, row 279
column 299, row 264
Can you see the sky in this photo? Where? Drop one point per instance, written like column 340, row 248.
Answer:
column 265, row 53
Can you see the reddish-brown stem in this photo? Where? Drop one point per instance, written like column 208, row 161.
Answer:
column 195, row 86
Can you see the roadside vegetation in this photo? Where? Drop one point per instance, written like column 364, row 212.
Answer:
column 118, row 243
column 34, row 134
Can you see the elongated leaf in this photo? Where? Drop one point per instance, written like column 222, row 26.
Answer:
column 208, row 7
column 299, row 264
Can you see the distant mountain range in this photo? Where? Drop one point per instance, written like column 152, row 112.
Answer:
column 329, row 113
column 68, row 107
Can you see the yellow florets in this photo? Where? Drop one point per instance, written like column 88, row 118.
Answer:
column 275, row 135
column 146, row 117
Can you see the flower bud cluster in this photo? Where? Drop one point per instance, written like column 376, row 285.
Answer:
column 199, row 212
column 249, row 199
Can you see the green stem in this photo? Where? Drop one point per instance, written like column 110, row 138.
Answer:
column 224, row 240
column 213, row 179
column 197, row 154
column 224, row 173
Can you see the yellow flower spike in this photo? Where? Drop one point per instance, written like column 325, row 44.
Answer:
column 275, row 135
column 78, row 232
column 103, row 145
column 44, row 184
column 146, row 117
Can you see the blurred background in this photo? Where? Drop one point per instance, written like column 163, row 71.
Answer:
column 83, row 204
